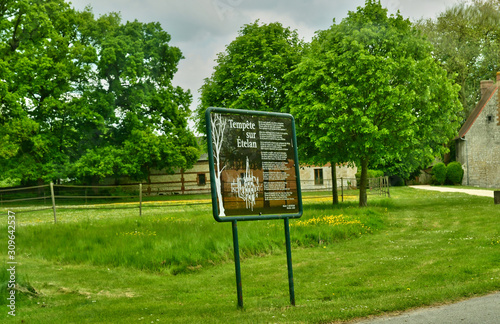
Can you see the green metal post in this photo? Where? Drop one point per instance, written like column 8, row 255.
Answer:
column 237, row 264
column 289, row 261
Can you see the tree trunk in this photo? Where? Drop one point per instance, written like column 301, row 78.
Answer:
column 95, row 183
column 363, row 183
column 40, row 182
column 335, row 194
column 149, row 182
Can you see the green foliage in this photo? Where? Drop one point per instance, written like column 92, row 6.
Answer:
column 371, row 174
column 369, row 91
column 142, row 117
column 24, row 290
column 451, row 173
column 8, row 182
column 88, row 98
column 249, row 73
column 454, row 173
column 397, row 181
column 38, row 71
column 439, row 173
column 465, row 40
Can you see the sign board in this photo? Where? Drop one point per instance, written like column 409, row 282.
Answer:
column 254, row 170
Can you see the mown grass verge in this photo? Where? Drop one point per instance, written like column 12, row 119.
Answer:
column 418, row 248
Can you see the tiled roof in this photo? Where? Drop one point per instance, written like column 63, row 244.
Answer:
column 477, row 111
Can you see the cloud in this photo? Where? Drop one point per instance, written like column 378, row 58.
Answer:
column 203, row 28
column 418, row 9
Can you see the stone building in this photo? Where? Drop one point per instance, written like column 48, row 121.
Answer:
column 320, row 177
column 197, row 179
column 192, row 181
column 478, row 141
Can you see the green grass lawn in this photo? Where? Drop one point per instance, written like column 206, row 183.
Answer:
column 174, row 264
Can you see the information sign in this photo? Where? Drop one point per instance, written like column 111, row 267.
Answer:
column 254, row 167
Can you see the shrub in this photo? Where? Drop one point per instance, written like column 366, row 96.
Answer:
column 439, row 173
column 454, row 173
column 396, row 181
column 370, row 173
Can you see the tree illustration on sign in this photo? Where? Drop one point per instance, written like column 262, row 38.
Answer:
column 247, row 187
column 218, row 124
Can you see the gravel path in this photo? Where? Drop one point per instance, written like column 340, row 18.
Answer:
column 475, row 192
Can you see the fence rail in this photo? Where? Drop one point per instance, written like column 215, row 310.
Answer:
column 75, row 195
column 348, row 187
column 71, row 194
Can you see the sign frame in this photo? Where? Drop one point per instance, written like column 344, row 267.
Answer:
column 215, row 206
column 234, row 219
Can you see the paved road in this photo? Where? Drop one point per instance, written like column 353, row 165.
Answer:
column 479, row 310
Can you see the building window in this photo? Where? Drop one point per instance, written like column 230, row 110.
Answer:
column 201, row 179
column 318, row 176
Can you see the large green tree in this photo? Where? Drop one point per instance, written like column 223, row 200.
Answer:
column 41, row 60
column 466, row 39
column 249, row 73
column 370, row 92
column 88, row 98
column 142, row 117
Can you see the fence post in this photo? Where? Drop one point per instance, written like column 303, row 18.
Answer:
column 53, row 201
column 387, row 182
column 342, row 186
column 140, row 199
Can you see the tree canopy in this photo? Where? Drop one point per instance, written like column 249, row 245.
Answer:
column 85, row 98
column 249, row 74
column 466, row 40
column 38, row 69
column 369, row 91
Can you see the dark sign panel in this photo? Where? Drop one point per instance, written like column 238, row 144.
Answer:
column 253, row 165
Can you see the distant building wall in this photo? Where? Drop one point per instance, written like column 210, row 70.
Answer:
column 479, row 149
column 197, row 179
column 192, row 181
column 320, row 177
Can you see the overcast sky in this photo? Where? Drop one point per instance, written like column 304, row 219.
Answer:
column 202, row 28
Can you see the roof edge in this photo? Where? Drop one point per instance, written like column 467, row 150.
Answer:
column 476, row 112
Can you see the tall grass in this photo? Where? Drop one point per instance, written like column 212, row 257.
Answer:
column 175, row 241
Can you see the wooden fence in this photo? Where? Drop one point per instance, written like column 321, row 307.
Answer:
column 52, row 196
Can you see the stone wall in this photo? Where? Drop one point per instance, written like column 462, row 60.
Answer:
column 192, row 181
column 346, row 176
column 479, row 153
column 188, row 181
